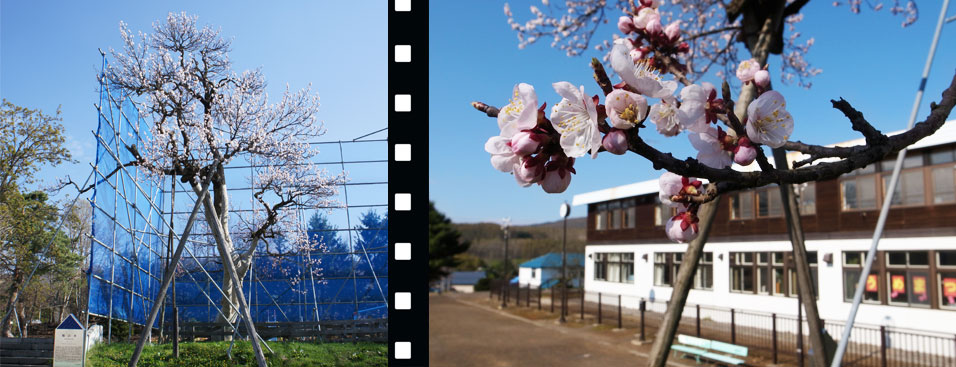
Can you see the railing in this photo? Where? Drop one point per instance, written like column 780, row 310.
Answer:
column 771, row 337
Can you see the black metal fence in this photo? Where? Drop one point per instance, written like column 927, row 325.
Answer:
column 771, row 337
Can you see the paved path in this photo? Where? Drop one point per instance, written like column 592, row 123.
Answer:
column 466, row 333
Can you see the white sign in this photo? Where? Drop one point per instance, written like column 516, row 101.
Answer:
column 68, row 348
column 68, row 343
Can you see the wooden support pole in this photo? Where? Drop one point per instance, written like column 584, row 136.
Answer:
column 167, row 278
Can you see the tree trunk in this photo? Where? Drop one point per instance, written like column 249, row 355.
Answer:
column 804, row 279
column 14, row 291
column 685, row 279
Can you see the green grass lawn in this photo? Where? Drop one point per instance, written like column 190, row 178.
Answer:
column 213, row 354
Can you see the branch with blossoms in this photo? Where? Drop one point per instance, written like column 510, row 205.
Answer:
column 542, row 150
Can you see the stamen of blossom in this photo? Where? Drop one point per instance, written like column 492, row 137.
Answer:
column 768, row 121
column 520, row 113
column 575, row 118
column 665, row 116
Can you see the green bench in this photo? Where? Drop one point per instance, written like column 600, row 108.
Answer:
column 705, row 348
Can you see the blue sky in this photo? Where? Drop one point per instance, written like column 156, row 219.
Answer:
column 49, row 57
column 868, row 59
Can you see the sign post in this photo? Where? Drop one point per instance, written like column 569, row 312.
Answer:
column 68, row 343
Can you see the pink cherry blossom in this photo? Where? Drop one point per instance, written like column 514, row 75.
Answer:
column 528, row 170
column 671, row 184
column 615, row 141
column 640, row 75
column 762, row 78
column 747, row 69
column 672, row 31
column 665, row 116
column 745, row 153
column 520, row 113
column 768, row 121
column 503, row 157
column 710, row 150
column 525, row 142
column 682, row 227
column 625, row 109
column 575, row 118
column 644, row 16
column 626, row 25
column 654, row 26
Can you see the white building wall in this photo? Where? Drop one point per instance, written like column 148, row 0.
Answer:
column 529, row 276
column 831, row 304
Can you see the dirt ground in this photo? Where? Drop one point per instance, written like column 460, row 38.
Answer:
column 467, row 330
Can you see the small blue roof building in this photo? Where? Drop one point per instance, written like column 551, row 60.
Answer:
column 545, row 271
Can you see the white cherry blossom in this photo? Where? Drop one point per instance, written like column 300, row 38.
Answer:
column 665, row 116
column 710, row 152
column 575, row 118
column 521, row 112
column 693, row 108
column 625, row 109
column 768, row 121
column 502, row 157
column 747, row 69
column 640, row 75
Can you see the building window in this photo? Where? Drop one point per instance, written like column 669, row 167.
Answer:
column 946, row 277
column 859, row 189
column 630, row 213
column 907, row 280
column 768, row 202
column 742, row 205
column 807, row 198
column 909, row 189
column 944, row 175
column 663, row 213
column 614, row 267
column 771, row 273
column 533, row 272
column 600, row 220
column 667, row 264
column 852, row 268
column 614, row 215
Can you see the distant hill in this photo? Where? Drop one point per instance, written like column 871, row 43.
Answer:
column 526, row 242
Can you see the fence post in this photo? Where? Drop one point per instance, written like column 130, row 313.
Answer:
column 539, row 297
column 883, row 346
column 527, row 296
column 698, row 320
column 599, row 307
column 643, row 307
column 733, row 327
column 800, row 332
column 552, row 299
column 619, row 319
column 582, row 303
column 774, row 318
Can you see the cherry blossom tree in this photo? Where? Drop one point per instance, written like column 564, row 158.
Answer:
column 204, row 116
column 710, row 30
column 541, row 149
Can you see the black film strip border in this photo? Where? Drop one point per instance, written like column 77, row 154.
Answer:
column 408, row 184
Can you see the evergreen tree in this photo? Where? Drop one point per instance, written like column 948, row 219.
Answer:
column 444, row 242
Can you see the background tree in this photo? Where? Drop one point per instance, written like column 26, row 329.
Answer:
column 32, row 221
column 204, row 117
column 444, row 242
column 29, row 139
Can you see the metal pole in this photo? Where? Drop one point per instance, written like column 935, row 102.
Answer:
column 564, row 266
column 774, row 318
column 883, row 346
column 620, row 322
column 539, row 298
column 507, row 275
column 643, row 308
column 582, row 303
column 599, row 307
column 884, row 211
column 698, row 320
column 733, row 327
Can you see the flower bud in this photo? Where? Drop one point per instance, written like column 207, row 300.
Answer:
column 524, row 143
column 654, row 26
column 615, row 142
column 672, row 31
column 744, row 155
column 556, row 181
column 625, row 24
column 644, row 16
column 682, row 227
column 651, row 3
column 528, row 171
column 762, row 78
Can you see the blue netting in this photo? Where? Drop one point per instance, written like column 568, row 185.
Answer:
column 349, row 264
column 125, row 255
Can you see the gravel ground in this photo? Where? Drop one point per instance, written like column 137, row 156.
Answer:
column 465, row 330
